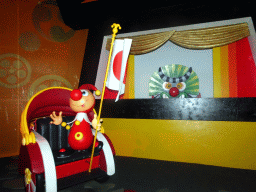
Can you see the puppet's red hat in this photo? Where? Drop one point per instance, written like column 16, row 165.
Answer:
column 88, row 87
column 77, row 95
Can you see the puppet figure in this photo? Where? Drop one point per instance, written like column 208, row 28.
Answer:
column 173, row 81
column 82, row 102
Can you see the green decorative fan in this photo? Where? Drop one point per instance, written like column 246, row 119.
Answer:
column 174, row 81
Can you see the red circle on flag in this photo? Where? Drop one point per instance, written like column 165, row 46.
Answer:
column 117, row 66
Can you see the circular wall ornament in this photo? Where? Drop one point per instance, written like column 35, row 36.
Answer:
column 48, row 81
column 48, row 22
column 15, row 71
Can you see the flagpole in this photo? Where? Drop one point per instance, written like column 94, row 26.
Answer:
column 115, row 30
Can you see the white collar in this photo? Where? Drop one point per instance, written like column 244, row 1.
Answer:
column 81, row 115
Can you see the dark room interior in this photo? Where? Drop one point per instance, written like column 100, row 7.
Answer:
column 231, row 169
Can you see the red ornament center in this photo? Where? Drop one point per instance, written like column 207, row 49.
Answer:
column 174, row 92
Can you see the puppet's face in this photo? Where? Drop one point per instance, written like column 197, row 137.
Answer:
column 85, row 103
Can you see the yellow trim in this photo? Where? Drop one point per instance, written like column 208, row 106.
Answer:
column 68, row 127
column 63, row 124
column 129, row 84
column 216, row 72
column 77, row 122
column 30, row 138
column 79, row 136
column 28, row 177
column 218, row 143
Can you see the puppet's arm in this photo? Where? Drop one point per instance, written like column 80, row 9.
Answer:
column 94, row 123
column 56, row 120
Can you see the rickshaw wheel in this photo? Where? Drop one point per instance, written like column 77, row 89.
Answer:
column 104, row 168
column 34, row 182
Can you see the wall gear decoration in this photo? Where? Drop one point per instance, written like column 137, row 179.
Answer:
column 48, row 22
column 174, row 81
column 15, row 71
column 38, row 50
column 48, row 81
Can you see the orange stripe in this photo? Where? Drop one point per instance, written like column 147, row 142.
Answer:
column 232, row 70
column 224, row 71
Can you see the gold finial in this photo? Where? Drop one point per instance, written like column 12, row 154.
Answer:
column 115, row 28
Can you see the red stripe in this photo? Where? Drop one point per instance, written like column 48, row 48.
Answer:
column 76, row 167
column 246, row 70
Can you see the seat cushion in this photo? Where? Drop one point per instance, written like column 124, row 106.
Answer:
column 74, row 155
column 57, row 136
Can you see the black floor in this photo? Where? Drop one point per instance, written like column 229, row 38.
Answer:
column 144, row 175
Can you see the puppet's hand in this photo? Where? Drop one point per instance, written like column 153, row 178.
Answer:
column 56, row 120
column 94, row 123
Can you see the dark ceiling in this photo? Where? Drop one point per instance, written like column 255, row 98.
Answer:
column 88, row 15
column 131, row 14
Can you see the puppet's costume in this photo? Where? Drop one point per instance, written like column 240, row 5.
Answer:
column 80, row 136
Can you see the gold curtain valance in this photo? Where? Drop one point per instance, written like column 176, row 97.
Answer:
column 206, row 38
column 210, row 37
column 145, row 43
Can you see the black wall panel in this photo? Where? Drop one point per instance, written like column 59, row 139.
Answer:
column 204, row 109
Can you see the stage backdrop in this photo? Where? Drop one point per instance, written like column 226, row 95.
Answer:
column 37, row 51
column 215, row 130
column 223, row 68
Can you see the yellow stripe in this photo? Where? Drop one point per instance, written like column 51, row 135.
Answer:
column 129, row 85
column 218, row 143
column 216, row 72
column 224, row 71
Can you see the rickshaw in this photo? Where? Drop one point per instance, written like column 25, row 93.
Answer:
column 46, row 160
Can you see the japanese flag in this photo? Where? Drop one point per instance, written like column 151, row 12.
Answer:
column 118, row 63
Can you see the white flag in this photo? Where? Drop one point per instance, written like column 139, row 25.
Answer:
column 118, row 63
